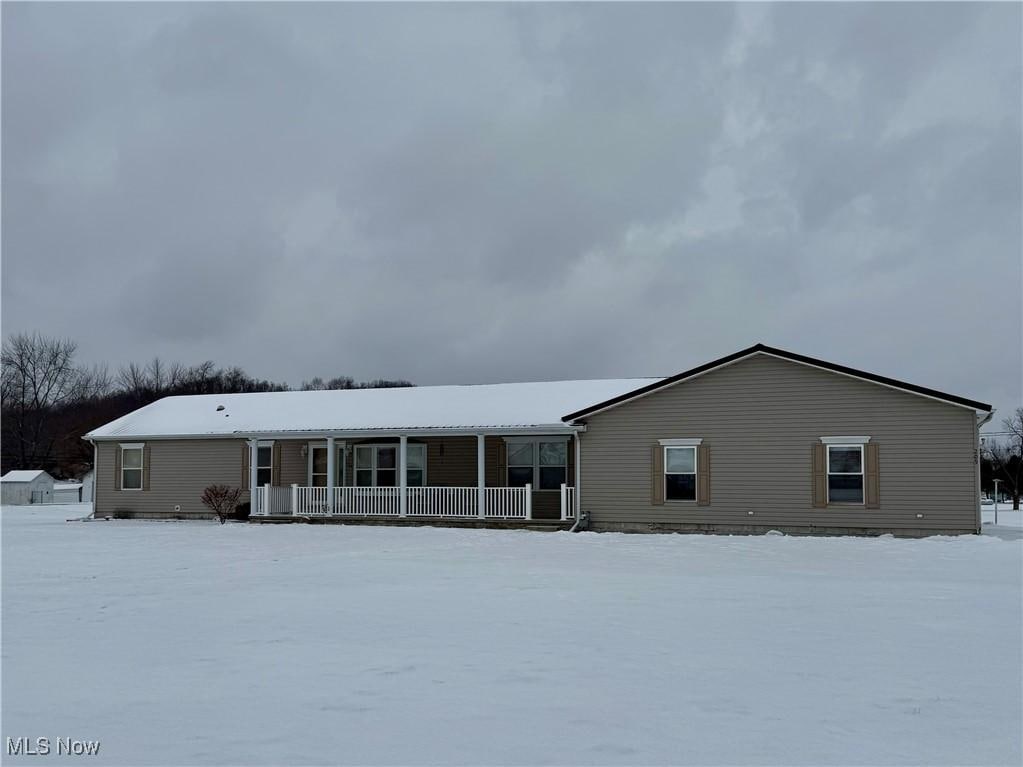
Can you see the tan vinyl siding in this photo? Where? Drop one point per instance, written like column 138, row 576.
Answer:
column 178, row 472
column 760, row 419
column 294, row 467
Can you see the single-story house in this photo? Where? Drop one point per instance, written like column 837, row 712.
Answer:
column 67, row 492
column 21, row 487
column 763, row 439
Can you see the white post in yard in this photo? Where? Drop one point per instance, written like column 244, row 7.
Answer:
column 294, row 500
column 996, row 500
column 481, row 480
column 402, row 479
column 253, row 474
column 529, row 501
column 331, row 479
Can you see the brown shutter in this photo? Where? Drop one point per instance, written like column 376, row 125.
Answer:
column 117, row 467
column 145, row 466
column 502, row 463
column 819, row 475
column 275, row 471
column 703, row 475
column 570, row 463
column 871, row 476
column 657, row 475
column 245, row 467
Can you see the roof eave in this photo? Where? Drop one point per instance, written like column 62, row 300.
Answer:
column 298, row 434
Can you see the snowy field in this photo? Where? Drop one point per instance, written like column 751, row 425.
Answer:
column 190, row 643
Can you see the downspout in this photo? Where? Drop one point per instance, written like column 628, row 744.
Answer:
column 95, row 477
column 582, row 518
column 980, row 422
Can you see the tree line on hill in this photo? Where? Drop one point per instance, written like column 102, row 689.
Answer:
column 48, row 400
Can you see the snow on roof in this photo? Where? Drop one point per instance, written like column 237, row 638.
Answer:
column 486, row 406
column 21, row 475
column 67, row 485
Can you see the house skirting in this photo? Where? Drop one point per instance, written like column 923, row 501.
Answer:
column 696, row 529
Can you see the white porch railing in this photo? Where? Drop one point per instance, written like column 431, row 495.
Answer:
column 509, row 502
column 313, row 501
column 272, row 501
column 367, row 501
column 438, row 502
column 568, row 501
column 443, row 501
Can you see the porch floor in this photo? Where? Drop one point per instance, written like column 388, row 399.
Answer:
column 490, row 523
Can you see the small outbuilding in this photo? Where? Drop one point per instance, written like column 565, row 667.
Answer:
column 88, row 484
column 24, row 486
column 67, row 492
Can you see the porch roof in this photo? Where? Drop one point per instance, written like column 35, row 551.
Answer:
column 512, row 406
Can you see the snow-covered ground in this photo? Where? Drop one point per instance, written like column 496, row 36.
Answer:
column 191, row 643
column 1009, row 525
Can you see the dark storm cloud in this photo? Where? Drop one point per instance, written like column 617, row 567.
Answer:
column 490, row 192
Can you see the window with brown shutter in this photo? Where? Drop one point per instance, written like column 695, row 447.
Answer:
column 819, row 475
column 872, row 478
column 117, row 467
column 657, row 475
column 146, row 462
column 245, row 466
column 703, row 475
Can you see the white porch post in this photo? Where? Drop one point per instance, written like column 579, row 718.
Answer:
column 481, row 479
column 564, row 501
column 578, row 473
column 402, row 478
column 253, row 473
column 294, row 500
column 529, row 500
column 331, row 479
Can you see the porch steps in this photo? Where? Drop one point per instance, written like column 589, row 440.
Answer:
column 543, row 525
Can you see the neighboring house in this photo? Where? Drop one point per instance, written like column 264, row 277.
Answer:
column 67, row 492
column 22, row 487
column 762, row 439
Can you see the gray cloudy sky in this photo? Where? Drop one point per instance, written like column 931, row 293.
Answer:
column 476, row 193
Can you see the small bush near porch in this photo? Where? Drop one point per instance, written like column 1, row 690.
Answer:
column 186, row 643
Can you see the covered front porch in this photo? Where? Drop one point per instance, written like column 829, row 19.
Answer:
column 520, row 477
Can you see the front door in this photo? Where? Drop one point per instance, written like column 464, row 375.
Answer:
column 318, row 466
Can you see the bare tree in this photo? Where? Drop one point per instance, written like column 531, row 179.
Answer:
column 133, row 380
column 347, row 382
column 1006, row 456
column 156, row 374
column 40, row 378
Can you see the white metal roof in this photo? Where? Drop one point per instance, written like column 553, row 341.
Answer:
column 21, row 475
column 486, row 406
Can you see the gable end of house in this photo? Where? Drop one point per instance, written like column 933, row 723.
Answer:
column 762, row 349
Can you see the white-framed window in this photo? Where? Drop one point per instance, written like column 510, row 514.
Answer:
column 318, row 464
column 845, row 473
column 132, row 457
column 679, row 472
column 540, row 462
column 377, row 465
column 264, row 462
